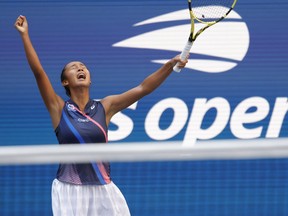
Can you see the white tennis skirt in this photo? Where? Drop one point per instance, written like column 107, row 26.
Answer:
column 87, row 200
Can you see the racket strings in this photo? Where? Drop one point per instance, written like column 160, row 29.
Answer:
column 211, row 10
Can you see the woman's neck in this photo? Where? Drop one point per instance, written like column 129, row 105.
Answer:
column 81, row 99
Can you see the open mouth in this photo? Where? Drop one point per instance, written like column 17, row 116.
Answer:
column 81, row 76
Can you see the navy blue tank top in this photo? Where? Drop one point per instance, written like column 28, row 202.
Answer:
column 83, row 127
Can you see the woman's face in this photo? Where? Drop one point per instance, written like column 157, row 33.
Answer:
column 76, row 74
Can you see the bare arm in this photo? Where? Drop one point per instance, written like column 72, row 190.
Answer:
column 52, row 101
column 115, row 103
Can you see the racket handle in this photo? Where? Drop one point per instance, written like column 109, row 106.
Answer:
column 183, row 55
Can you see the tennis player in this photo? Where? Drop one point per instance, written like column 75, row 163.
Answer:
column 85, row 189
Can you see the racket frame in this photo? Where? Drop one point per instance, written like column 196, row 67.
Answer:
column 192, row 37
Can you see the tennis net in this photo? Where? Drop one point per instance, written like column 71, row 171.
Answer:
column 221, row 177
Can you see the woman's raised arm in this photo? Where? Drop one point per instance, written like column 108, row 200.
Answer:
column 52, row 101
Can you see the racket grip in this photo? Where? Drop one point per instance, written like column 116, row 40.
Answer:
column 183, row 55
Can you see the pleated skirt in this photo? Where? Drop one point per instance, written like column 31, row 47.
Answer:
column 87, row 200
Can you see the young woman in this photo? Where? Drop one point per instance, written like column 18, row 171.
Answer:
column 85, row 189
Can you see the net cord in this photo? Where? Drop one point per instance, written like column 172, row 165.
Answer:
column 145, row 151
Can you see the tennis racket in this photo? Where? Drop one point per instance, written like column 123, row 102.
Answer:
column 207, row 12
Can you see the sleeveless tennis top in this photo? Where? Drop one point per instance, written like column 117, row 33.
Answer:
column 83, row 127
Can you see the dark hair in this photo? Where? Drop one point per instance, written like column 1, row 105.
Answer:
column 63, row 77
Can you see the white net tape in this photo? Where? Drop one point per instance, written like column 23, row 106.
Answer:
column 145, row 151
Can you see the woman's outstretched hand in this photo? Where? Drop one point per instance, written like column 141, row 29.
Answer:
column 181, row 63
column 21, row 24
